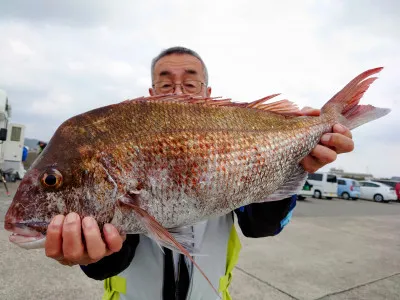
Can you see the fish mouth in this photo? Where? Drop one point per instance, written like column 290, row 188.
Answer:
column 27, row 235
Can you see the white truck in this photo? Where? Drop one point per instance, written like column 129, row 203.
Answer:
column 5, row 114
column 12, row 138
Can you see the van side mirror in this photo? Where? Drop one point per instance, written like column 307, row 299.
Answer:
column 3, row 134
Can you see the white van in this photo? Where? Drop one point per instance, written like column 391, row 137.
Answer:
column 323, row 185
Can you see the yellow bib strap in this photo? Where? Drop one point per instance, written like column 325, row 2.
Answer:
column 234, row 247
column 113, row 286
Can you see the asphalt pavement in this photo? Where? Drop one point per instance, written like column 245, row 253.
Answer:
column 331, row 250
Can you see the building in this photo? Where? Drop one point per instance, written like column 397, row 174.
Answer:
column 356, row 176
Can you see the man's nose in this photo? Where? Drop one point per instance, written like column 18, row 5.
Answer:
column 178, row 89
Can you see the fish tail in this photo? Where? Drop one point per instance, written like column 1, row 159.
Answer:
column 345, row 103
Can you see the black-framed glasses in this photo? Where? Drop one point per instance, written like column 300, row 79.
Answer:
column 187, row 86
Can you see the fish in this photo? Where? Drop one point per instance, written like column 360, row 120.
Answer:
column 153, row 165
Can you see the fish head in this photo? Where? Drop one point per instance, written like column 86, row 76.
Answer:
column 64, row 178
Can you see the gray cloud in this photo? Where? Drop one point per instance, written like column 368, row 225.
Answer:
column 65, row 12
column 70, row 13
column 376, row 17
column 82, row 14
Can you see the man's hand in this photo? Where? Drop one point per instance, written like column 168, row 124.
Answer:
column 331, row 144
column 64, row 240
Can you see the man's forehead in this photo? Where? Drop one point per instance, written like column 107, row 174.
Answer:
column 182, row 62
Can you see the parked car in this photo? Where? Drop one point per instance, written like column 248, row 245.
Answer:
column 397, row 190
column 379, row 192
column 324, row 185
column 348, row 188
column 394, row 184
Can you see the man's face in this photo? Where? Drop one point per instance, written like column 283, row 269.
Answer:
column 179, row 70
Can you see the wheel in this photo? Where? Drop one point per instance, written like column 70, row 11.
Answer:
column 378, row 198
column 346, row 196
column 12, row 178
column 317, row 194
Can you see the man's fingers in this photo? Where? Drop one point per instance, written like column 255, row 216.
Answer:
column 113, row 239
column 67, row 263
column 310, row 164
column 95, row 246
column 338, row 128
column 319, row 157
column 53, row 245
column 64, row 240
column 323, row 155
column 73, row 248
column 339, row 142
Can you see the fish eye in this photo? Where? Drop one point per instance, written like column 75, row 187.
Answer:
column 52, row 179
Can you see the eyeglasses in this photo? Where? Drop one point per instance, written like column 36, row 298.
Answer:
column 187, row 87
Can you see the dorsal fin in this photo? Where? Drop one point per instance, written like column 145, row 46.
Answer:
column 284, row 107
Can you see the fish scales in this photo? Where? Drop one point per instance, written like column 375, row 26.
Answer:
column 201, row 160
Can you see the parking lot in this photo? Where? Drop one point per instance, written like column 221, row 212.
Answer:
column 331, row 250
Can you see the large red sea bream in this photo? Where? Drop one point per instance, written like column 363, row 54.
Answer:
column 151, row 165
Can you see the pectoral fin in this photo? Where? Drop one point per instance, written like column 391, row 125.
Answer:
column 173, row 240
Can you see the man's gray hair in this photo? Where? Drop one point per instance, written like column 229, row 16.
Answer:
column 178, row 50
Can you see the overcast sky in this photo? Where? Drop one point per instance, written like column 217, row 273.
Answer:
column 58, row 60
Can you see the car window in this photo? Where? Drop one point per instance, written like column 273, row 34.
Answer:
column 331, row 178
column 341, row 182
column 370, row 184
column 356, row 183
column 315, row 176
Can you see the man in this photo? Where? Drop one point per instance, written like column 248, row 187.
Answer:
column 41, row 145
column 133, row 267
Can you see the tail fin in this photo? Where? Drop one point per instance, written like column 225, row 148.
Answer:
column 345, row 102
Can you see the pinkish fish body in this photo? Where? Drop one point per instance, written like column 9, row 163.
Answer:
column 153, row 164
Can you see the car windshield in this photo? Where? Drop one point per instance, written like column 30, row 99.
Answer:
column 355, row 183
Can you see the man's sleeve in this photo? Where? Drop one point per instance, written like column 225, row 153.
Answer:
column 115, row 263
column 266, row 218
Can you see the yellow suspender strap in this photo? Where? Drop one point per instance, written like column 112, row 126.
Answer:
column 113, row 286
column 234, row 247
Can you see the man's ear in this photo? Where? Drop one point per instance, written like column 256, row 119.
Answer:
column 151, row 92
column 208, row 92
